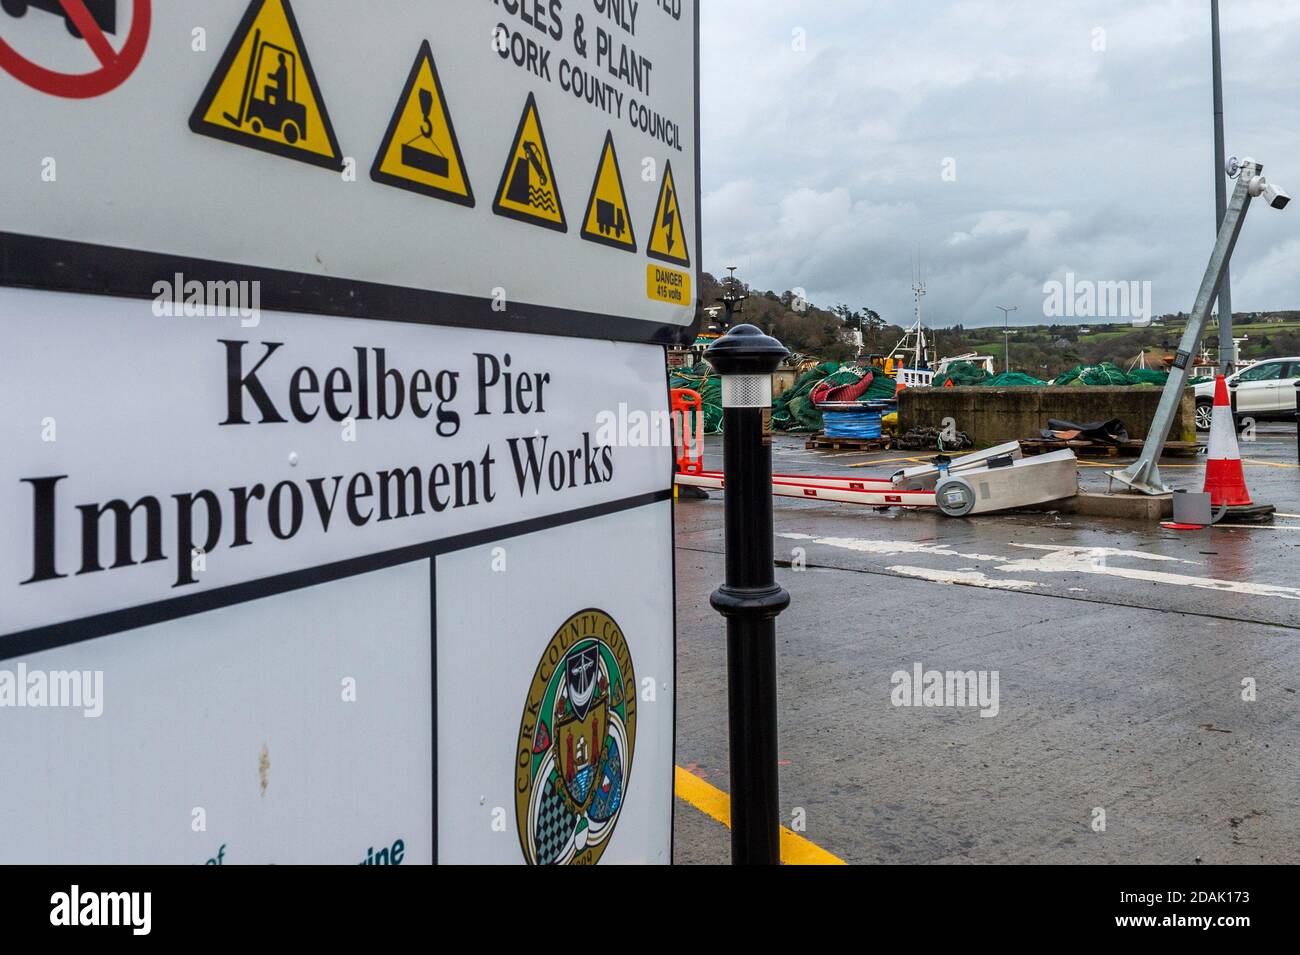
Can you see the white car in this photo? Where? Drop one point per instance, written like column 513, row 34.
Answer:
column 1264, row 390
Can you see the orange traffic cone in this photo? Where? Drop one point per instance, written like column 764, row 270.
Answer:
column 1225, row 481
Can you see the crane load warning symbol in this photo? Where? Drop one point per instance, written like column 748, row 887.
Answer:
column 420, row 151
column 668, row 234
column 528, row 191
column 608, row 220
column 263, row 93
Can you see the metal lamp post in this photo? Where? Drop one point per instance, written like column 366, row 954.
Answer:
column 1006, row 333
column 750, row 599
column 1227, row 356
column 1143, row 475
column 732, row 298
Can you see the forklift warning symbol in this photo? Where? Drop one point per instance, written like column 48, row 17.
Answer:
column 420, row 151
column 608, row 220
column 668, row 233
column 263, row 93
column 528, row 191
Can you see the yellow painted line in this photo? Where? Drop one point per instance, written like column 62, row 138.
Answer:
column 1263, row 527
column 1122, row 463
column 1118, row 464
column 1268, row 464
column 910, row 460
column 714, row 803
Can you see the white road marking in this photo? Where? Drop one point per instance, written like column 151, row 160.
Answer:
column 1056, row 561
column 890, row 548
column 968, row 578
column 1100, row 553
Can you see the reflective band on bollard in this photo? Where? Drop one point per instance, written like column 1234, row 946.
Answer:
column 747, row 391
column 750, row 599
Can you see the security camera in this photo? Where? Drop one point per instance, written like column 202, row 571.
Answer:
column 1271, row 193
column 1276, row 196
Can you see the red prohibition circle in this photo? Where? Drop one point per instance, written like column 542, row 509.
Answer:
column 114, row 65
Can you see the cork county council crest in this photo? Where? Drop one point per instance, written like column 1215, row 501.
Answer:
column 575, row 743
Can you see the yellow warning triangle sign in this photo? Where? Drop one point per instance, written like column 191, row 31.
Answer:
column 528, row 190
column 608, row 220
column 263, row 93
column 420, row 151
column 668, row 232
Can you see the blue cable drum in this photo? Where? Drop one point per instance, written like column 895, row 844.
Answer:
column 852, row 424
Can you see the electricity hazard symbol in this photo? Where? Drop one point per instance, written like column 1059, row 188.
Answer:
column 608, row 220
column 263, row 93
column 420, row 151
column 668, row 232
column 528, row 191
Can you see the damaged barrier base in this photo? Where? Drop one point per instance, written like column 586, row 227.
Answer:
column 996, row 479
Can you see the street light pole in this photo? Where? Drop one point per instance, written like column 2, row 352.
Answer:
column 732, row 298
column 1226, row 356
column 1006, row 333
column 1143, row 475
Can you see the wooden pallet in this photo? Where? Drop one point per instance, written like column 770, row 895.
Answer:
column 1096, row 449
column 819, row 441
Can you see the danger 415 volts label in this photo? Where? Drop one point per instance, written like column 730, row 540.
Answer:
column 667, row 285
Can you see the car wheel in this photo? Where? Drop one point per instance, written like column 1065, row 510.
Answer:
column 1204, row 414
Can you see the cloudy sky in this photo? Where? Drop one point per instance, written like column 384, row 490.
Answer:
column 1081, row 134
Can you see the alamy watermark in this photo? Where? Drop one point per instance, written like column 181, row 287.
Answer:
column 636, row 428
column 178, row 298
column 123, row 909
column 1084, row 298
column 960, row 688
column 71, row 689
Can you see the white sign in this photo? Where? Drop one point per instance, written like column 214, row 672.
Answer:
column 281, row 540
column 290, row 728
column 302, row 442
column 338, row 458
column 516, row 164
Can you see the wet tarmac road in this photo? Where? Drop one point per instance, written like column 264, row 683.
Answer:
column 1122, row 653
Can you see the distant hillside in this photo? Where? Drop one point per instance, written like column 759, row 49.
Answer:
column 1041, row 350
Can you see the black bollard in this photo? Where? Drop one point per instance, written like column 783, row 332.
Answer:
column 750, row 598
column 1297, row 420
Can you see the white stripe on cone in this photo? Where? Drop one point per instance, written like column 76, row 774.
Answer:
column 1224, row 478
column 1223, row 436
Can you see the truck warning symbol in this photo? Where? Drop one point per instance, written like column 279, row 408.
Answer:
column 528, row 191
column 263, row 93
column 608, row 220
column 420, row 151
column 668, row 232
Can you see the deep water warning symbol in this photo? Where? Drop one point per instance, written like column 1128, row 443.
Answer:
column 528, row 190
column 420, row 151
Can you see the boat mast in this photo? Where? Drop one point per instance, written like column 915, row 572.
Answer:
column 920, row 353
